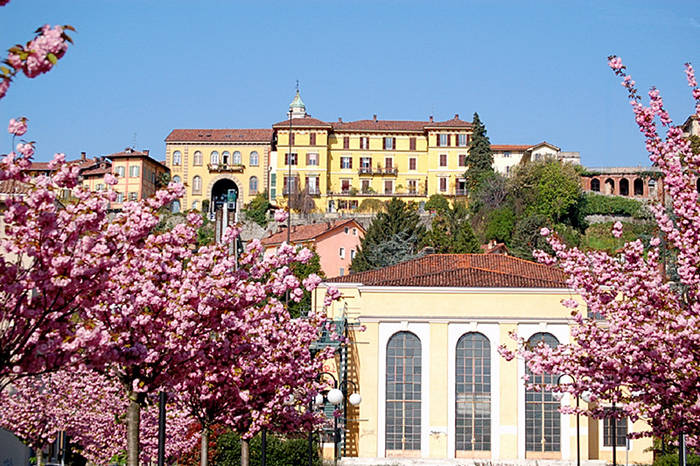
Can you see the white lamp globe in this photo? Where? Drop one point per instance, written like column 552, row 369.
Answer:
column 355, row 399
column 335, row 396
column 558, row 395
column 318, row 400
column 587, row 396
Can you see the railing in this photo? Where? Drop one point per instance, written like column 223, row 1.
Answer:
column 392, row 171
column 230, row 167
column 375, row 194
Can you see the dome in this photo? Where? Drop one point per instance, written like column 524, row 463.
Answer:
column 297, row 102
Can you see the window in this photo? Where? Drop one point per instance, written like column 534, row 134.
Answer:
column 352, row 254
column 506, row 154
column 341, row 271
column 312, row 159
column 345, row 186
column 120, row 197
column 341, row 251
column 291, row 138
column 197, row 159
column 134, row 171
column 388, row 187
column 225, row 157
column 443, row 184
column 176, row 179
column 120, row 171
column 542, row 418
column 365, row 186
column 462, row 160
column 293, row 158
column 473, row 393
column 364, row 142
column 133, row 196
column 403, row 393
column 273, row 185
column 290, row 184
column 443, row 140
column 412, row 144
column 346, row 142
column 177, row 158
column 194, row 205
column 312, row 185
column 175, row 206
column 253, row 185
column 412, row 163
column 365, row 164
column 312, row 139
column 389, row 143
column 197, row 185
column 346, row 162
column 412, row 187
column 388, row 163
column 443, row 160
column 214, row 158
column 462, row 140
column 354, row 232
column 254, row 159
column 346, row 230
column 237, row 159
column 620, row 429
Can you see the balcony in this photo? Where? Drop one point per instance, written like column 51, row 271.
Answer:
column 355, row 193
column 226, row 167
column 391, row 171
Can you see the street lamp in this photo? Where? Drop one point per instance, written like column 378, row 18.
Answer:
column 565, row 380
column 335, row 396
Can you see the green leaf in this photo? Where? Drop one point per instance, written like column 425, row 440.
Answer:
column 52, row 58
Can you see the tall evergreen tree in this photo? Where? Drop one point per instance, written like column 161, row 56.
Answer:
column 400, row 222
column 451, row 232
column 479, row 155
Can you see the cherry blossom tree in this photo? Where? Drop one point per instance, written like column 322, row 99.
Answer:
column 642, row 352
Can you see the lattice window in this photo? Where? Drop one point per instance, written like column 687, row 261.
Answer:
column 473, row 393
column 403, row 392
column 542, row 417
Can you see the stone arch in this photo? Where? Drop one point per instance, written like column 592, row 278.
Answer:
column 609, row 186
column 595, row 185
column 239, row 185
column 638, row 187
column 624, row 187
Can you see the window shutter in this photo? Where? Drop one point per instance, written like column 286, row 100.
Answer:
column 393, row 143
column 384, row 143
column 437, row 140
column 350, row 162
column 449, row 139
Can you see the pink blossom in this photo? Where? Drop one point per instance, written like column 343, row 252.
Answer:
column 4, row 86
column 281, row 215
column 17, row 126
column 26, row 149
column 617, row 230
column 544, row 231
column 110, row 179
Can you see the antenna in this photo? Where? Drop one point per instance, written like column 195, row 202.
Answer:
column 133, row 142
column 297, row 86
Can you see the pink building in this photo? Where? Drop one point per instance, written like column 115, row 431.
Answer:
column 336, row 243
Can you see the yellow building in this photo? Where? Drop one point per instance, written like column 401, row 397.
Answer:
column 432, row 382
column 212, row 163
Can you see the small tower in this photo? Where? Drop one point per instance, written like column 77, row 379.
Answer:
column 297, row 107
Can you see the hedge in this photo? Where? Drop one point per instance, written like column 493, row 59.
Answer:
column 597, row 204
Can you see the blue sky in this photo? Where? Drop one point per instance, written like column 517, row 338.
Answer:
column 533, row 70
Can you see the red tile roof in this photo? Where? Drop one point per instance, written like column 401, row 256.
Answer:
column 509, row 147
column 99, row 171
column 462, row 271
column 14, row 187
column 220, row 135
column 399, row 125
column 306, row 122
column 302, row 233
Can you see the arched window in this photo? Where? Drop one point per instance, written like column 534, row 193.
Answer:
column 194, row 205
column 237, row 158
column 609, row 186
column 197, row 185
column 403, row 394
column 473, row 393
column 197, row 159
column 595, row 185
column 177, row 158
column 175, row 206
column 253, row 185
column 254, row 159
column 214, row 158
column 624, row 187
column 176, row 179
column 542, row 418
column 638, row 187
column 225, row 157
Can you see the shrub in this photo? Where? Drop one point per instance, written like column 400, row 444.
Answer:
column 438, row 203
column 257, row 209
column 280, row 451
column 371, row 205
column 672, row 460
column 597, row 204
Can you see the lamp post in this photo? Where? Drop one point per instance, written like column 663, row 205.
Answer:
column 335, row 396
column 563, row 380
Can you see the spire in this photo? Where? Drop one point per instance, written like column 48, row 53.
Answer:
column 297, row 106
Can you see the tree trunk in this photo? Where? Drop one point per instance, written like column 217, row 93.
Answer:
column 133, row 421
column 245, row 452
column 204, row 454
column 39, row 457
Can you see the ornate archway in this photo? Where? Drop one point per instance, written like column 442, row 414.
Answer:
column 232, row 180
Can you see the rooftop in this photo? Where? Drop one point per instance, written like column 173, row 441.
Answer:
column 220, row 135
column 302, row 233
column 462, row 271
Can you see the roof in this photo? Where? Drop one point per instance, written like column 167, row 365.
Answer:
column 509, row 147
column 297, row 102
column 462, row 271
column 399, row 125
column 131, row 153
column 220, row 135
column 306, row 122
column 14, row 187
column 302, row 233
column 545, row 143
column 99, row 171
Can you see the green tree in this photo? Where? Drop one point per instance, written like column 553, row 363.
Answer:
column 479, row 155
column 301, row 271
column 499, row 225
column 527, row 237
column 400, row 222
column 451, row 232
column 437, row 203
column 257, row 208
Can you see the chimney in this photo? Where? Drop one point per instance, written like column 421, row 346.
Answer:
column 456, row 116
column 340, row 119
column 145, row 151
column 375, row 117
column 431, row 118
column 83, row 156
